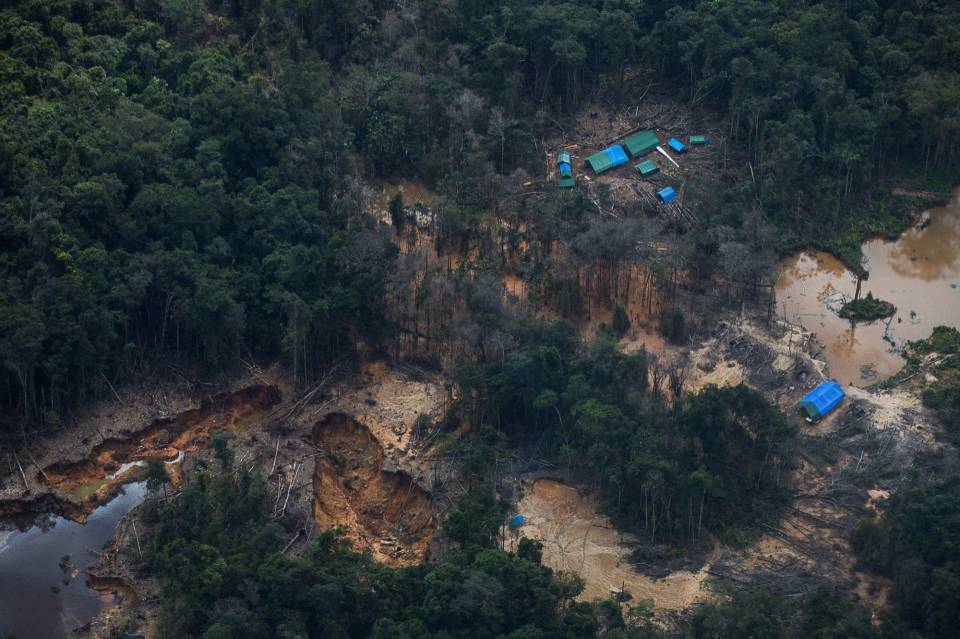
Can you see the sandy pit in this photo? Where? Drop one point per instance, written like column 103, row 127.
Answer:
column 357, row 487
column 578, row 539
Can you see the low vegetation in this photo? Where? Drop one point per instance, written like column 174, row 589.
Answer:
column 867, row 308
column 939, row 356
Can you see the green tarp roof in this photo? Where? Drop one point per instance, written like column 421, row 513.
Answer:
column 698, row 139
column 607, row 159
column 640, row 143
column 647, row 167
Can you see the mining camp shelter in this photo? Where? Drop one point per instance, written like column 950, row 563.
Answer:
column 698, row 140
column 607, row 159
column 677, row 145
column 823, row 399
column 565, row 170
column 641, row 143
column 667, row 195
column 647, row 167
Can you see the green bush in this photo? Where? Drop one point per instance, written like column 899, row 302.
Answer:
column 867, row 309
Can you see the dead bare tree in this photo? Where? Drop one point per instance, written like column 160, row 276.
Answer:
column 678, row 373
column 658, row 375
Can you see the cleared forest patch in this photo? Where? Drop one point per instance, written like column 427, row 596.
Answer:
column 356, row 487
column 577, row 538
column 112, row 462
column 74, row 488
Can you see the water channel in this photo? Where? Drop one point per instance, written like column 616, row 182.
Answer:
column 919, row 273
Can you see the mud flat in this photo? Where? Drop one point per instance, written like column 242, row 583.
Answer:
column 111, row 461
column 74, row 488
column 577, row 538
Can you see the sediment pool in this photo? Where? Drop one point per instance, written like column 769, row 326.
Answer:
column 919, row 273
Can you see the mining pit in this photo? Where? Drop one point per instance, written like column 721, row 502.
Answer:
column 116, row 461
column 357, row 487
column 578, row 539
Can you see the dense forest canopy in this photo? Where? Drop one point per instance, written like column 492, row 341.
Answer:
column 917, row 543
column 718, row 460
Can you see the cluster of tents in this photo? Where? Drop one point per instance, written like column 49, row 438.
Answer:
column 634, row 146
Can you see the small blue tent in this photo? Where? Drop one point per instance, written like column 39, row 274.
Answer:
column 517, row 520
column 677, row 145
column 821, row 400
column 667, row 195
column 565, row 170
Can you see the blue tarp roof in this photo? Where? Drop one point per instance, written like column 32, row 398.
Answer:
column 607, row 159
column 667, row 195
column 518, row 520
column 822, row 399
column 677, row 145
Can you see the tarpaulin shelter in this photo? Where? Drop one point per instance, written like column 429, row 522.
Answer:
column 517, row 520
column 647, row 167
column 677, row 145
column 607, row 159
column 641, row 143
column 667, row 195
column 565, row 170
column 819, row 402
column 698, row 140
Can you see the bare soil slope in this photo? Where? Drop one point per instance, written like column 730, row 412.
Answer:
column 355, row 486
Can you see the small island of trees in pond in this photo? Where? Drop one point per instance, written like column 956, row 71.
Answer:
column 867, row 309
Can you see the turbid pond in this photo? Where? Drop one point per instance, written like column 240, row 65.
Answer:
column 919, row 273
column 44, row 589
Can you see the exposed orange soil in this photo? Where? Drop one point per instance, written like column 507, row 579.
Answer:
column 355, row 486
column 114, row 461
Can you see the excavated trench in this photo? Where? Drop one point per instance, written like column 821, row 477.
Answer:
column 357, row 487
column 82, row 503
column 99, row 477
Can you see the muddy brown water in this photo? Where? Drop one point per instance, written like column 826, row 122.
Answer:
column 919, row 273
column 30, row 569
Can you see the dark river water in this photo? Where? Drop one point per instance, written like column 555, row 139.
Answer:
column 30, row 570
